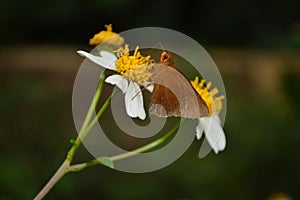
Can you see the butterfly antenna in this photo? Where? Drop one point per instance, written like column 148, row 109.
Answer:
column 159, row 44
column 159, row 39
column 142, row 90
column 137, row 93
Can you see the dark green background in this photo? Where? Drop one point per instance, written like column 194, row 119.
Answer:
column 256, row 46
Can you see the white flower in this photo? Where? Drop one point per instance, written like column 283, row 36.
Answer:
column 214, row 133
column 211, row 124
column 133, row 96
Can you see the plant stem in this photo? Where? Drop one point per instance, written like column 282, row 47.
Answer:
column 83, row 132
column 55, row 178
column 87, row 125
column 146, row 147
column 81, row 166
column 64, row 168
column 99, row 114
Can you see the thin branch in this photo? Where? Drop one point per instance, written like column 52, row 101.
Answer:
column 156, row 143
column 65, row 166
column 55, row 178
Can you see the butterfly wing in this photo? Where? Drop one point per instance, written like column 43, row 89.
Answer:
column 173, row 95
column 164, row 102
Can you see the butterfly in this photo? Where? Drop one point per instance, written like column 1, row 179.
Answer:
column 173, row 95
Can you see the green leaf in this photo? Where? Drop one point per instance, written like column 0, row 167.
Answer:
column 106, row 162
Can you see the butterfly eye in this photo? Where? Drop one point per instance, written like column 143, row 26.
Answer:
column 164, row 57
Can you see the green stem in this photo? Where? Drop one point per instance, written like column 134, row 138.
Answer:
column 156, row 143
column 99, row 114
column 94, row 101
column 65, row 166
column 147, row 147
column 82, row 133
column 85, row 129
column 82, row 166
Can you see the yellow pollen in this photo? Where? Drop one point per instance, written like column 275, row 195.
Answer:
column 213, row 103
column 134, row 67
column 103, row 36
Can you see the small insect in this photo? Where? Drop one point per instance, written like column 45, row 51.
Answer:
column 173, row 95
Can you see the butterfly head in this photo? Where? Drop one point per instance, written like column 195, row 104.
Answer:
column 166, row 58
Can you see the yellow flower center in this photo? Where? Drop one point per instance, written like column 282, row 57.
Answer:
column 213, row 103
column 134, row 67
column 103, row 36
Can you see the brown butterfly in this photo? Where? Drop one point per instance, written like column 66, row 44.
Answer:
column 173, row 95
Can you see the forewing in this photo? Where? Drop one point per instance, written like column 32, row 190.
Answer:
column 173, row 95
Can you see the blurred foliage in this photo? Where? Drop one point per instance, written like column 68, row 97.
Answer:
column 236, row 22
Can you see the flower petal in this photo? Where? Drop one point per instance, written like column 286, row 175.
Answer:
column 134, row 101
column 119, row 81
column 214, row 132
column 107, row 59
column 149, row 87
column 199, row 130
column 108, row 55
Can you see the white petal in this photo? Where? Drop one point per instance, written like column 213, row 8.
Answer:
column 108, row 55
column 107, row 59
column 216, row 118
column 149, row 87
column 118, row 80
column 134, row 101
column 214, row 132
column 199, row 130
